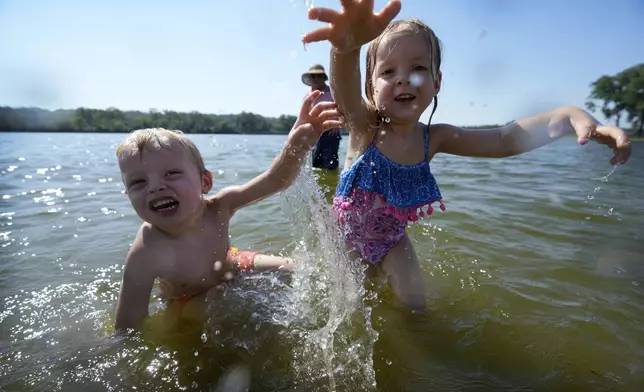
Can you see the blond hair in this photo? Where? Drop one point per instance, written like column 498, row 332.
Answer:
column 410, row 26
column 157, row 138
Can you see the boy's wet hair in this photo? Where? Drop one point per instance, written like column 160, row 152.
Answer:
column 155, row 139
column 410, row 26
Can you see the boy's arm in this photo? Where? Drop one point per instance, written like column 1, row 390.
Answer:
column 257, row 261
column 312, row 121
column 134, row 297
column 528, row 134
column 280, row 175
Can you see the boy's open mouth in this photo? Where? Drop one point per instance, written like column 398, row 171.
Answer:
column 404, row 98
column 164, row 204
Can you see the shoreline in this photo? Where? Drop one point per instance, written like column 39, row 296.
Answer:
column 122, row 132
column 634, row 139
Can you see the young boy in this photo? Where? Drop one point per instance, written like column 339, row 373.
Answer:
column 183, row 241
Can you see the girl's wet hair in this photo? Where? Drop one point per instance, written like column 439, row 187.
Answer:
column 409, row 26
column 156, row 138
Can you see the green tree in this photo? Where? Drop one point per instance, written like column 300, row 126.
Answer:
column 620, row 95
column 115, row 120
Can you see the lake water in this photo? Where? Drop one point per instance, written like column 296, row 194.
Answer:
column 535, row 275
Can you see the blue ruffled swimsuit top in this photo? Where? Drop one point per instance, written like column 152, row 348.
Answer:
column 408, row 191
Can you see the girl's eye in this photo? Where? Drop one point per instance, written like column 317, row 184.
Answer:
column 420, row 68
column 172, row 172
column 388, row 72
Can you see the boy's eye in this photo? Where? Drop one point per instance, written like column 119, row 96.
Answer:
column 420, row 68
column 135, row 182
column 172, row 172
column 387, row 71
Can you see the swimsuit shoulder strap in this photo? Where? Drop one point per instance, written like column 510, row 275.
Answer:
column 426, row 141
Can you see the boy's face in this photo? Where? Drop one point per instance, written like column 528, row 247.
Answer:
column 164, row 186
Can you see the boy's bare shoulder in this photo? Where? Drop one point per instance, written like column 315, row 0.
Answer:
column 214, row 202
column 146, row 250
column 216, row 205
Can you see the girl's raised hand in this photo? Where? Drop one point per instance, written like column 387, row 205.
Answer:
column 353, row 26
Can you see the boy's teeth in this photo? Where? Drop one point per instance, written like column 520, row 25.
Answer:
column 162, row 202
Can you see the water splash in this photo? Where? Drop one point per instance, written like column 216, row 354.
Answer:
column 327, row 307
column 605, row 178
column 591, row 196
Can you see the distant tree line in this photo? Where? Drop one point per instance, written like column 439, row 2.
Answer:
column 115, row 120
column 620, row 96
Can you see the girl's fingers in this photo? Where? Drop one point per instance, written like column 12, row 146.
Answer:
column 317, row 35
column 347, row 4
column 388, row 12
column 322, row 14
column 617, row 139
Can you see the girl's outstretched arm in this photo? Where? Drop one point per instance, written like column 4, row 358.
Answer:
column 530, row 133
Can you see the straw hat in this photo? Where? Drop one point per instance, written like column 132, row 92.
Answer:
column 316, row 69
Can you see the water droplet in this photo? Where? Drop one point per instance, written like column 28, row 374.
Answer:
column 217, row 266
column 387, row 120
column 416, row 79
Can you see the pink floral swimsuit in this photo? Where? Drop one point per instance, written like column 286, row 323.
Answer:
column 377, row 197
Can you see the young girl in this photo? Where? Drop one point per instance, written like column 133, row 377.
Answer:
column 386, row 181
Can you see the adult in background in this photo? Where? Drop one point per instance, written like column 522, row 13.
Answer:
column 325, row 153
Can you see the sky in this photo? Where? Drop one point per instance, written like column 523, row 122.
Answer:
column 503, row 59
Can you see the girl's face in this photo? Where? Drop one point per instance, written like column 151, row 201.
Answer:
column 404, row 79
